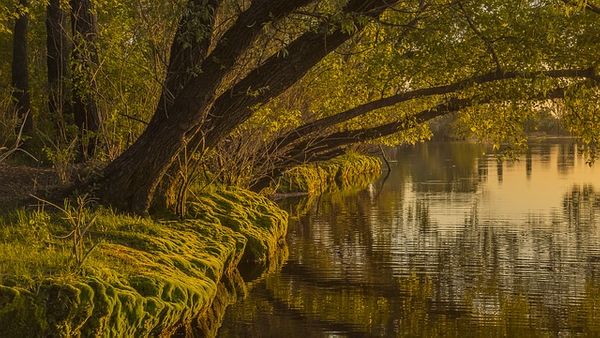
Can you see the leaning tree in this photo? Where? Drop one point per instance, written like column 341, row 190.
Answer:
column 195, row 83
column 398, row 64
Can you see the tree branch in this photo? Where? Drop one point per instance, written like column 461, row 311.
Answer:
column 277, row 74
column 349, row 114
column 305, row 151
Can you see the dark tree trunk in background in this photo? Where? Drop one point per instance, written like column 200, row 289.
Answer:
column 20, row 72
column 57, row 47
column 85, row 60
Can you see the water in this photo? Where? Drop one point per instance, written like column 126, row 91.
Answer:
column 454, row 243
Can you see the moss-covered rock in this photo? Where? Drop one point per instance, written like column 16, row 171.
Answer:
column 145, row 278
column 337, row 174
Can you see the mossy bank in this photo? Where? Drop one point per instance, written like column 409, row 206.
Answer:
column 143, row 277
column 341, row 173
column 149, row 277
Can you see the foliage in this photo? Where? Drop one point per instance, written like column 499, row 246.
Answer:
column 581, row 114
column 444, row 43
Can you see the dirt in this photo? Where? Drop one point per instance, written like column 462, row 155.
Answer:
column 18, row 183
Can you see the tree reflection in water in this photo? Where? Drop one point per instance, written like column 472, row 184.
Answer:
column 446, row 247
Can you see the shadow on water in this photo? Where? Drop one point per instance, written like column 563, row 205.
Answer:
column 454, row 243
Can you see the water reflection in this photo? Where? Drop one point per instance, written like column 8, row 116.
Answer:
column 454, row 242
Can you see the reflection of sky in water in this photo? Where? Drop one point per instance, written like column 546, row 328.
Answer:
column 514, row 193
column 453, row 240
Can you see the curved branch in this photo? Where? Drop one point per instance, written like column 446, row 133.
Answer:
column 349, row 114
column 304, row 151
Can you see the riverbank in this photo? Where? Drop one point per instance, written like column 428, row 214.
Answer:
column 134, row 276
column 141, row 277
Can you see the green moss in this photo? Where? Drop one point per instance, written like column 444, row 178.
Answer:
column 146, row 277
column 258, row 219
column 338, row 174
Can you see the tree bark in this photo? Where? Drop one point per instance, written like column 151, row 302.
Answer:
column 85, row 60
column 188, row 51
column 189, row 48
column 57, row 47
column 20, row 72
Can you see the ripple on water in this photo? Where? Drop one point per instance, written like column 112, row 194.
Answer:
column 453, row 243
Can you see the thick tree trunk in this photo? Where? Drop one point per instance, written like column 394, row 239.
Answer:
column 187, row 54
column 57, row 47
column 20, row 72
column 235, row 107
column 129, row 182
column 85, row 60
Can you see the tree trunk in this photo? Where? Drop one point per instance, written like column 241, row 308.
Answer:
column 85, row 60
column 57, row 47
column 20, row 72
column 235, row 107
column 277, row 74
column 187, row 54
column 130, row 181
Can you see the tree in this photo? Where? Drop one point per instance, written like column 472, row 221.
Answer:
column 57, row 49
column 398, row 65
column 130, row 181
column 20, row 71
column 85, row 60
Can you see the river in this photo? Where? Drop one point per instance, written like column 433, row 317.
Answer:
column 452, row 243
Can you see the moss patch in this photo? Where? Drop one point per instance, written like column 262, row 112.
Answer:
column 257, row 218
column 338, row 174
column 146, row 277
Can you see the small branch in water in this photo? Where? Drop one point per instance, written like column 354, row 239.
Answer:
column 387, row 175
column 387, row 162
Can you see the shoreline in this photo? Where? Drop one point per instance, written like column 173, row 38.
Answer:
column 145, row 276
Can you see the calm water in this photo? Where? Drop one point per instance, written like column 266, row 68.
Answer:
column 454, row 243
